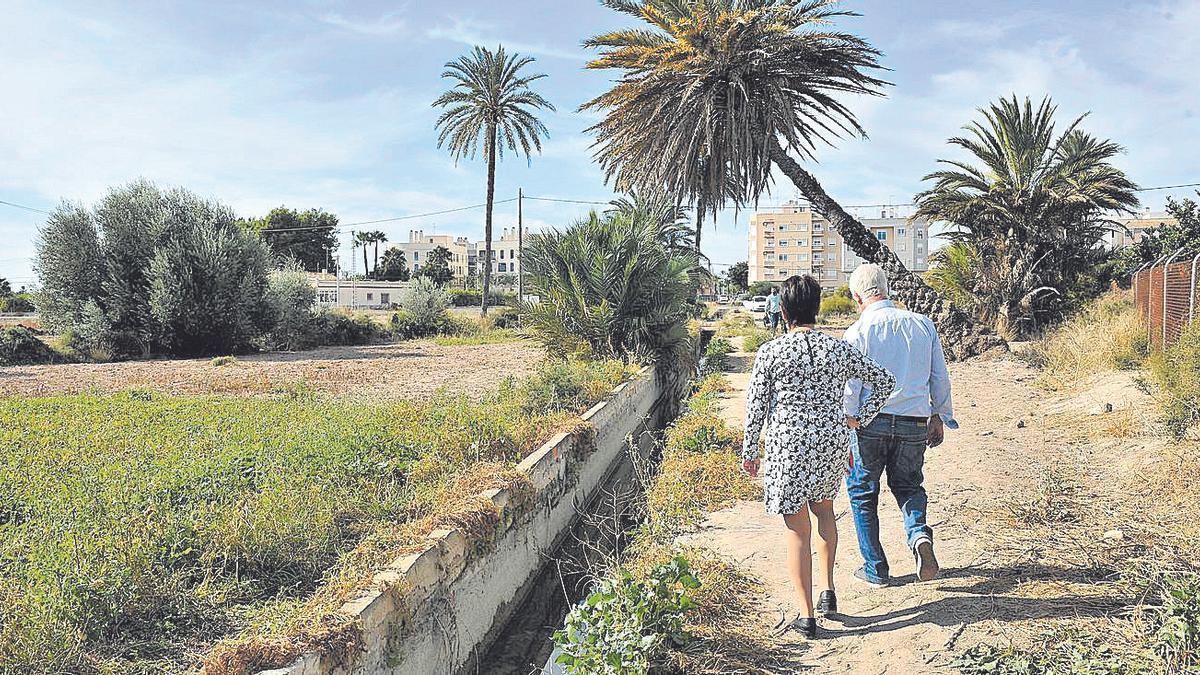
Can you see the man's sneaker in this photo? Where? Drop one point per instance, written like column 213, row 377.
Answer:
column 861, row 575
column 927, row 564
column 827, row 603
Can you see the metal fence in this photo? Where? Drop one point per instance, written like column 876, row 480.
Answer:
column 1165, row 292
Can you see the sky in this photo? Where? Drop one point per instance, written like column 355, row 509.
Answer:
column 327, row 104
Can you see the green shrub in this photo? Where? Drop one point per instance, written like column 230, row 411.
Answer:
column 1177, row 372
column 223, row 361
column 715, row 354
column 624, row 624
column 469, row 297
column 292, row 298
column 21, row 346
column 505, row 317
column 172, row 271
column 837, row 305
column 754, row 340
column 336, row 327
column 426, row 304
column 19, row 303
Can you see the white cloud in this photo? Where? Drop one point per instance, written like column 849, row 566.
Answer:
column 473, row 34
column 386, row 25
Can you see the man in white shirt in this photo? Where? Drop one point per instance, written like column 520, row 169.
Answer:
column 907, row 345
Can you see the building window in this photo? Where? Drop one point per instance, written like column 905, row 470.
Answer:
column 920, row 261
column 803, row 256
column 416, row 256
column 818, row 227
column 783, row 243
column 903, row 246
column 503, row 266
column 920, row 234
column 881, row 235
column 816, row 257
column 900, row 232
column 370, row 297
column 783, row 257
column 920, row 248
column 802, row 242
column 327, row 297
column 802, row 227
column 768, row 225
column 385, row 298
column 818, row 243
column 832, row 244
column 510, row 255
column 783, row 227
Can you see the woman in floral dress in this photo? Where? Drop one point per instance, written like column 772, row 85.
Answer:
column 795, row 393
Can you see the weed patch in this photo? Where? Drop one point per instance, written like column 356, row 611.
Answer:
column 143, row 527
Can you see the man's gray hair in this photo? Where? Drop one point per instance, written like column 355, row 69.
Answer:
column 868, row 281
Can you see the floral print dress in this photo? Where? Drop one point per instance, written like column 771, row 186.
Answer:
column 796, row 391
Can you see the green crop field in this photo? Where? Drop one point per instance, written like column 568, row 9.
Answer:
column 136, row 529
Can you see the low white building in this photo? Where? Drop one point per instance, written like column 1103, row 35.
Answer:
column 357, row 293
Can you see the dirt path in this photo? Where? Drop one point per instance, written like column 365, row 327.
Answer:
column 914, row 627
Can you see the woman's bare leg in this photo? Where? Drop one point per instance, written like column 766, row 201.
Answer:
column 826, row 542
column 799, row 557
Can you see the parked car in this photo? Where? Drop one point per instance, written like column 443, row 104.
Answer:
column 723, row 299
column 756, row 304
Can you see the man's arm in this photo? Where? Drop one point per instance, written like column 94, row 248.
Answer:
column 939, row 383
column 853, row 395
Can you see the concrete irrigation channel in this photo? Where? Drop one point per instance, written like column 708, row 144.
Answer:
column 451, row 609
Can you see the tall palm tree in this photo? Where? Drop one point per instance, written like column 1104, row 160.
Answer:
column 491, row 103
column 377, row 238
column 362, row 240
column 717, row 93
column 1034, row 209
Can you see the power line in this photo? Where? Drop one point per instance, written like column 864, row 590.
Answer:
column 27, row 208
column 1168, row 187
column 568, row 201
column 343, row 226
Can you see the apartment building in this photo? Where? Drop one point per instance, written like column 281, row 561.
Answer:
column 1137, row 225
column 420, row 245
column 793, row 239
column 506, row 253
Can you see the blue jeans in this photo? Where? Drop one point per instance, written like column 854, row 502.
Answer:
column 774, row 319
column 895, row 446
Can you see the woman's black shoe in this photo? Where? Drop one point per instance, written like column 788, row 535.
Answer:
column 827, row 603
column 806, row 626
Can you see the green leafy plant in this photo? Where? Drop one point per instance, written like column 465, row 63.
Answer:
column 837, row 305
column 623, row 625
column 425, row 302
column 715, row 354
column 609, row 287
column 21, row 346
column 1176, row 370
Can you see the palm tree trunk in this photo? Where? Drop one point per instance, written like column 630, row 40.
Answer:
column 961, row 336
column 375, row 263
column 487, row 223
column 699, row 225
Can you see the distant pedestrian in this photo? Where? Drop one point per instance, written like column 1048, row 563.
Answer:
column 796, row 391
column 907, row 344
column 774, row 318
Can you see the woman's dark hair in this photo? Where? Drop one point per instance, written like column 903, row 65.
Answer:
column 800, row 300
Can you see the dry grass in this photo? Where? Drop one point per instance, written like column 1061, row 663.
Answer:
column 1106, row 335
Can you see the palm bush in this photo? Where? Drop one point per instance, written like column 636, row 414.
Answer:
column 608, row 286
column 492, row 102
column 1033, row 211
column 716, row 94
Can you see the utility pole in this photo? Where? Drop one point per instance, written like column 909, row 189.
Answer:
column 520, row 246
